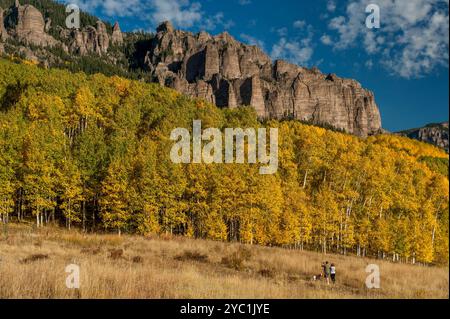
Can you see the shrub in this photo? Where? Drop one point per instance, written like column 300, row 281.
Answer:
column 34, row 258
column 237, row 259
column 192, row 256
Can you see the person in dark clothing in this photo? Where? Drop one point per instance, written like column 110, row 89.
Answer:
column 327, row 272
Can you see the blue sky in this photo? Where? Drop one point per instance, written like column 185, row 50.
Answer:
column 405, row 62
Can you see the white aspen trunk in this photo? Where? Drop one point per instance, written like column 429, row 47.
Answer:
column 433, row 234
column 84, row 216
column 304, row 179
column 69, row 214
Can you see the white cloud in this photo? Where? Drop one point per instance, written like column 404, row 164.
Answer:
column 111, row 8
column 282, row 32
column 299, row 24
column 216, row 20
column 296, row 52
column 413, row 39
column 331, row 6
column 253, row 41
column 182, row 13
column 326, row 39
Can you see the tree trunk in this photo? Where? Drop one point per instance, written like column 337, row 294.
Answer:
column 93, row 215
column 84, row 215
column 69, row 211
column 304, row 179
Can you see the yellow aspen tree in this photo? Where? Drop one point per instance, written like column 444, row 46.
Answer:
column 113, row 202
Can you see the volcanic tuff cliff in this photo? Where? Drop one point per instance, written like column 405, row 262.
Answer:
column 26, row 24
column 218, row 69
column 229, row 73
column 436, row 134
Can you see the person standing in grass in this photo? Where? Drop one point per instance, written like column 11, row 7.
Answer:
column 327, row 272
column 333, row 273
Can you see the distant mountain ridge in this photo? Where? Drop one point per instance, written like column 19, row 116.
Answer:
column 435, row 133
column 218, row 68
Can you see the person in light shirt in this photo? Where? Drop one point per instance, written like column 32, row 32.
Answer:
column 333, row 273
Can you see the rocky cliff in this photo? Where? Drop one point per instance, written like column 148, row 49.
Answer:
column 229, row 73
column 88, row 40
column 117, row 36
column 436, row 134
column 218, row 69
column 26, row 24
column 3, row 32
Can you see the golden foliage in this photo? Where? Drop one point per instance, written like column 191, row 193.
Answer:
column 94, row 151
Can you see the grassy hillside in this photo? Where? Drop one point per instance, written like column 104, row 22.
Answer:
column 92, row 152
column 177, row 267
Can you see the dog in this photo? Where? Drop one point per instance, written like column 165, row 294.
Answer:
column 317, row 277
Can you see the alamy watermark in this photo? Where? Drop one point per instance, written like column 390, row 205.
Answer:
column 373, row 279
column 218, row 152
column 373, row 20
column 73, row 19
column 73, row 279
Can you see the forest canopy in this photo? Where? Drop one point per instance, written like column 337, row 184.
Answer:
column 92, row 152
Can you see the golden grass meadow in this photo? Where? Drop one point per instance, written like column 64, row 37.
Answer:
column 33, row 265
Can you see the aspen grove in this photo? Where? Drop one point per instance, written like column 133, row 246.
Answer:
column 93, row 153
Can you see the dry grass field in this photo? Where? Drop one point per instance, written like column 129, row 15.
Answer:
column 32, row 265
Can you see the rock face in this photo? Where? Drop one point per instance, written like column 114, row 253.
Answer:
column 228, row 73
column 218, row 69
column 117, row 36
column 48, row 24
column 436, row 134
column 102, row 37
column 27, row 25
column 88, row 40
column 3, row 33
